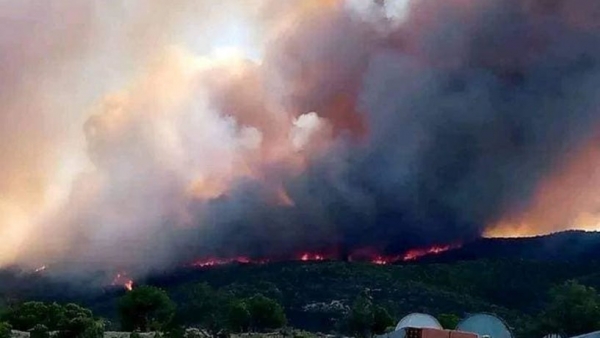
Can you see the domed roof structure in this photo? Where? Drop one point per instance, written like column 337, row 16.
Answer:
column 418, row 320
column 485, row 325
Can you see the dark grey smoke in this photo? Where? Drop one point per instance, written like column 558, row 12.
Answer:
column 442, row 122
column 467, row 106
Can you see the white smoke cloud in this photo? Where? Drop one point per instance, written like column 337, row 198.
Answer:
column 306, row 128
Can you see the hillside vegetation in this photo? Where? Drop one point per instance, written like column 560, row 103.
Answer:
column 318, row 296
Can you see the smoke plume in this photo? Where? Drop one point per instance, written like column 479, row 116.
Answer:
column 147, row 134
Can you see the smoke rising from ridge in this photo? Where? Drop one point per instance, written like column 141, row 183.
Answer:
column 156, row 134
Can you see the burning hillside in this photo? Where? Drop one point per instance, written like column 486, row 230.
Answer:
column 149, row 134
column 360, row 256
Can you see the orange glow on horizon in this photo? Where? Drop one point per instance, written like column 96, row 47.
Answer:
column 568, row 199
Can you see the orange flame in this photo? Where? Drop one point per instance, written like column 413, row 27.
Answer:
column 209, row 262
column 365, row 255
column 379, row 261
column 418, row 253
column 307, row 257
column 414, row 254
column 122, row 279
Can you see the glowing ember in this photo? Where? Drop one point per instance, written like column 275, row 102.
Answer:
column 364, row 255
column 220, row 261
column 123, row 280
column 311, row 257
column 379, row 261
column 210, row 262
column 414, row 254
column 418, row 253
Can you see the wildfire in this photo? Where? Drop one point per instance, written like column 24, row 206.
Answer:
column 434, row 250
column 210, row 262
column 414, row 254
column 311, row 257
column 122, row 279
column 380, row 261
column 359, row 256
column 202, row 263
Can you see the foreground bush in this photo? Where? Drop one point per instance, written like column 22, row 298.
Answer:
column 146, row 308
column 39, row 331
column 69, row 321
column 5, row 330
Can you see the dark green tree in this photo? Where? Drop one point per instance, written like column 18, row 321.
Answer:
column 73, row 320
column 361, row 316
column 265, row 313
column 5, row 330
column 214, row 312
column 82, row 327
column 449, row 321
column 366, row 318
column 52, row 316
column 39, row 331
column 174, row 330
column 381, row 320
column 26, row 315
column 238, row 316
column 146, row 308
column 249, row 289
column 203, row 307
column 573, row 309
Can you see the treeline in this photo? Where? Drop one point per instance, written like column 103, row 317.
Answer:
column 212, row 312
column 571, row 309
column 149, row 309
column 42, row 319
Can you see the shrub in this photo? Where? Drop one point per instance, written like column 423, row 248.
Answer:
column 146, row 308
column 265, row 313
column 39, row 331
column 82, row 328
column 5, row 330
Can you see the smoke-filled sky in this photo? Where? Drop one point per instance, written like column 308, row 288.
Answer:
column 148, row 132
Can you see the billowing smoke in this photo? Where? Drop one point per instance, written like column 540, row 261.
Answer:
column 155, row 134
